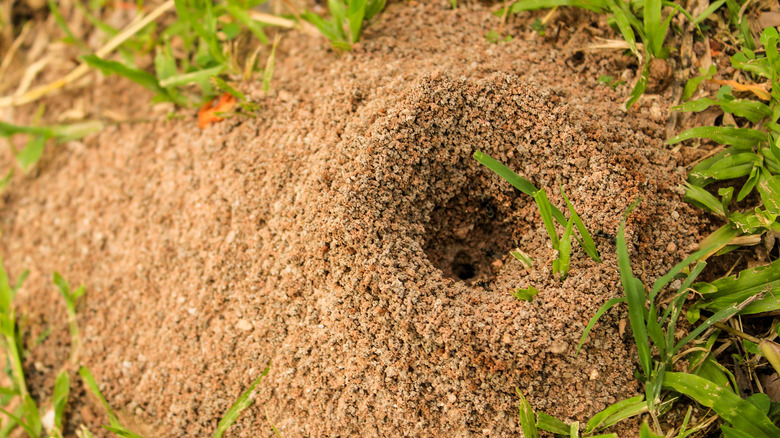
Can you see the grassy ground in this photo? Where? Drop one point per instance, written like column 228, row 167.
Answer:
column 203, row 56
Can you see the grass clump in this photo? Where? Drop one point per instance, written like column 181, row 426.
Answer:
column 347, row 17
column 750, row 151
column 658, row 351
column 643, row 24
column 208, row 34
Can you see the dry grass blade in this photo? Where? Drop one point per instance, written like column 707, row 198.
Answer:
column 82, row 69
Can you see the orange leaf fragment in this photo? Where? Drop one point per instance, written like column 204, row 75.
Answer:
column 208, row 112
column 760, row 91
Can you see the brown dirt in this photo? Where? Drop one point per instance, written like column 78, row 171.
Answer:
column 347, row 235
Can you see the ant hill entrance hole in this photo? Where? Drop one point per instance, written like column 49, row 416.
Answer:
column 468, row 236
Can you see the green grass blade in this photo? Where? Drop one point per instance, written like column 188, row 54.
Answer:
column 164, row 62
column 728, row 291
column 714, row 242
column 7, row 293
column 640, row 87
column 376, row 6
column 13, row 418
column 243, row 402
column 564, row 250
column 719, row 316
column 224, row 86
column 646, row 432
column 91, row 383
column 60, row 398
column 507, row 174
column 532, row 5
column 587, row 241
column 741, row 137
column 70, row 38
column 635, row 297
column 598, row 421
column 140, row 77
column 653, row 30
column 602, row 310
column 8, row 129
column 703, row 199
column 714, row 6
column 122, row 432
column 31, row 153
column 524, row 258
column 527, row 420
column 676, row 305
column 769, row 189
column 6, row 179
column 527, row 294
column 325, row 27
column 31, row 414
column 254, row 26
column 624, row 25
column 75, row 131
column 545, row 211
column 268, row 71
column 654, row 330
column 356, row 11
column 516, row 180
column 192, row 77
column 551, row 424
column 739, row 413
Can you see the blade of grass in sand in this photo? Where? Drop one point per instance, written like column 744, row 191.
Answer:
column 527, row 421
column 243, row 402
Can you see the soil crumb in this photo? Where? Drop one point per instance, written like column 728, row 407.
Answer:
column 347, row 236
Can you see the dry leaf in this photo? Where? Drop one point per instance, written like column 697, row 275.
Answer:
column 208, row 112
column 759, row 90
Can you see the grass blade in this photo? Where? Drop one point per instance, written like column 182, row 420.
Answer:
column 739, row 413
column 91, row 383
column 355, row 13
column 516, row 180
column 717, row 317
column 598, row 421
column 712, row 244
column 551, row 424
column 504, row 172
column 602, row 310
column 587, row 241
column 60, row 398
column 623, row 22
column 635, row 296
column 188, row 78
column 653, row 31
column 714, row 6
column 31, row 153
column 268, row 72
column 244, row 401
column 545, row 211
column 640, row 87
column 140, row 77
column 527, row 420
column 740, row 137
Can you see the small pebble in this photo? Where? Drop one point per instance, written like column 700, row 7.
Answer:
column 244, row 325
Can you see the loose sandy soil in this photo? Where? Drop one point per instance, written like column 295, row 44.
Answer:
column 333, row 236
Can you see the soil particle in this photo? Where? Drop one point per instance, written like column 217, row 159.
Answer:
column 347, row 236
column 660, row 75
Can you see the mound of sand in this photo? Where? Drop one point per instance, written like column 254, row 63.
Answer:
column 347, row 235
